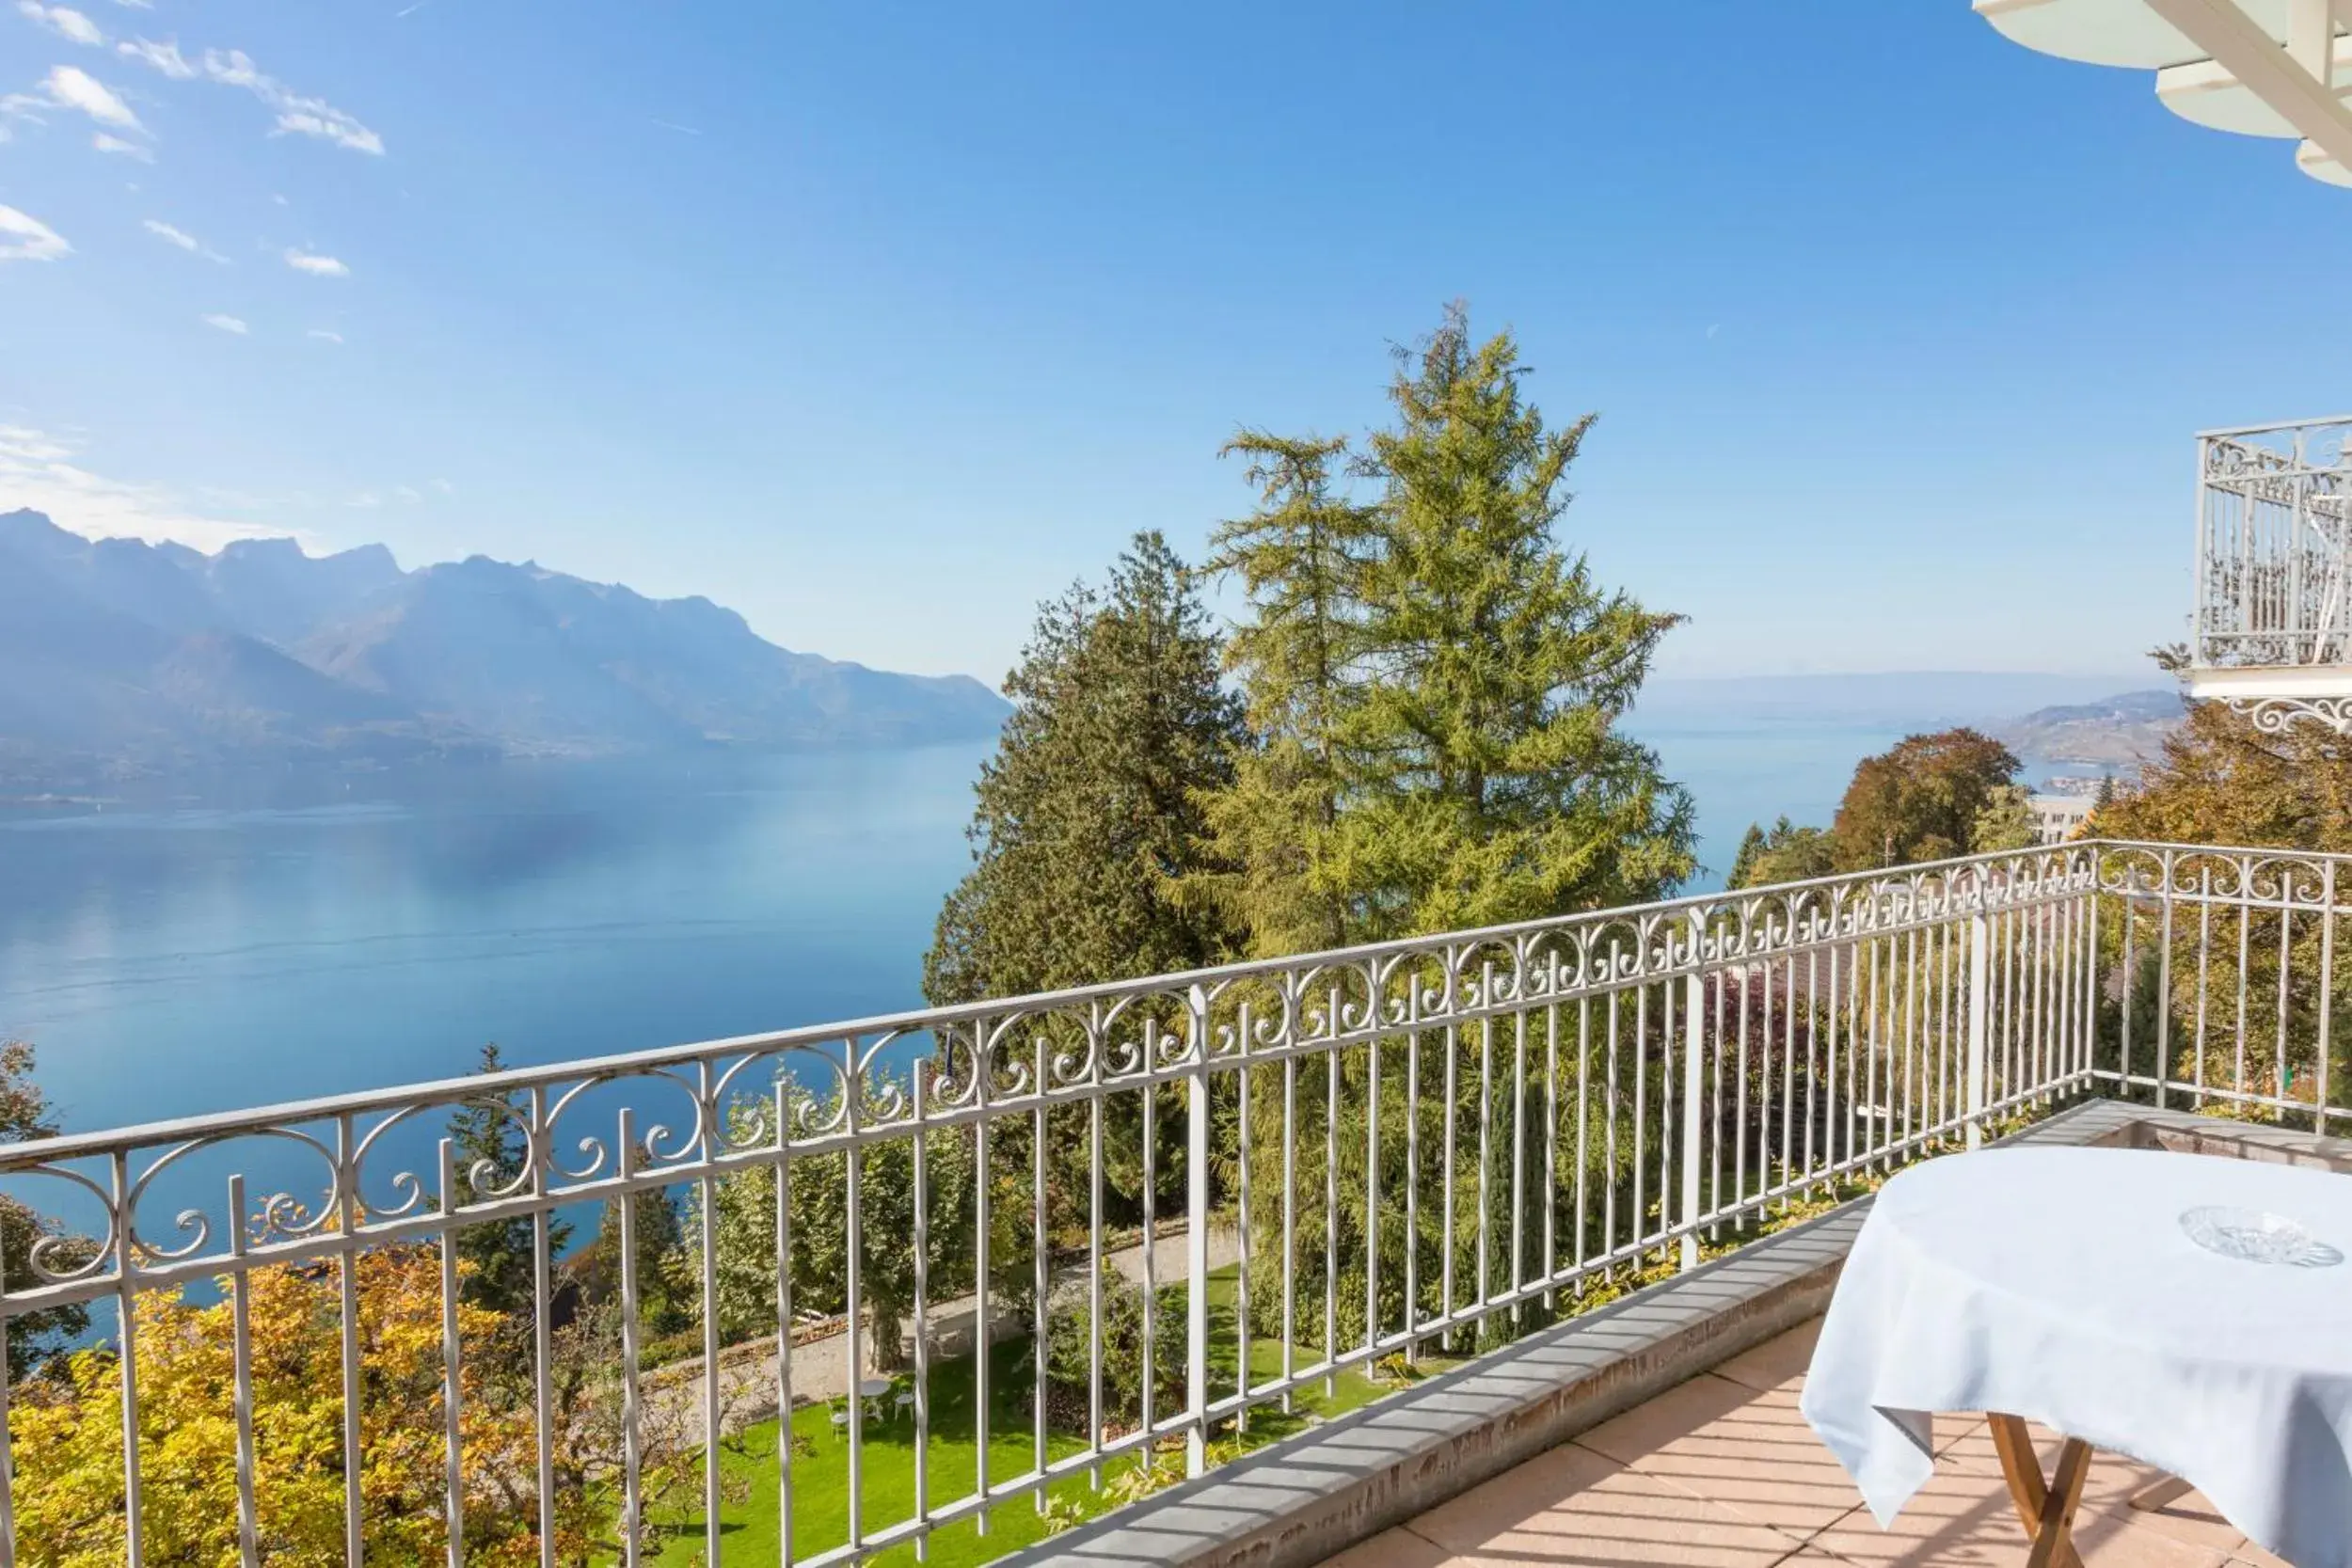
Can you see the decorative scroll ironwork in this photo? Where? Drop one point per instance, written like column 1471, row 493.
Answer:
column 1573, row 1095
column 2277, row 715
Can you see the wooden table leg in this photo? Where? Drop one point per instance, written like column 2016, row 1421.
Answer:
column 2161, row 1493
column 2045, row 1508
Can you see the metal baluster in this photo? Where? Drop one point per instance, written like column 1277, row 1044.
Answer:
column 1412, row 1184
column 1608, row 1131
column 453, row 1352
column 853, row 1282
column 632, row 1409
column 1042, row 1265
column 347, row 1277
column 1641, row 1116
column 1485, row 1139
column 1715, row 1144
column 241, row 1354
column 2327, row 997
column 1150, row 1238
column 2286, row 922
column 1583, row 1127
column 1197, row 1236
column 1519, row 1147
column 1551, row 1130
column 8, row 1448
column 1094, row 1262
column 2164, row 986
column 133, row 1530
column 1290, row 1222
column 1788, row 1077
column 1371, row 1195
column 925, row 1078
column 1740, row 1090
column 706, row 1191
column 1331, row 1207
column 1446, row 1180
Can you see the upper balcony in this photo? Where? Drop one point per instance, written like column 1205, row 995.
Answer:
column 2273, row 630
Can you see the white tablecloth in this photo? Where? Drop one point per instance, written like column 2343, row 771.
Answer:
column 2058, row 1284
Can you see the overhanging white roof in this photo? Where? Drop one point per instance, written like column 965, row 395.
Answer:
column 2260, row 68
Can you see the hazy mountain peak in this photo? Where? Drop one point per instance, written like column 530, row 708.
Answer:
column 263, row 650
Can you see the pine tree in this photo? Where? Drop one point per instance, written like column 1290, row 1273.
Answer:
column 1298, row 558
column 1486, row 777
column 491, row 1151
column 1089, row 814
column 1089, row 828
column 1743, row 861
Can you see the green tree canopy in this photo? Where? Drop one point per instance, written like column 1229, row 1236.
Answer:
column 1090, row 812
column 1299, row 559
column 2005, row 821
column 491, row 1153
column 1469, row 748
column 25, row 1112
column 1781, row 853
column 1919, row 800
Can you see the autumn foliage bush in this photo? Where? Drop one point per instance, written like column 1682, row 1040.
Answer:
column 66, row 1445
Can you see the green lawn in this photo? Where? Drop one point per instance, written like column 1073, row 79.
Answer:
column 821, row 1501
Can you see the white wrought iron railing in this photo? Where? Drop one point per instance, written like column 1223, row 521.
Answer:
column 1312, row 1165
column 2273, row 545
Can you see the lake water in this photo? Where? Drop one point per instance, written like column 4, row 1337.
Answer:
column 170, row 961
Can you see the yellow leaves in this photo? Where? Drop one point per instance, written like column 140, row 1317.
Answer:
column 69, row 1453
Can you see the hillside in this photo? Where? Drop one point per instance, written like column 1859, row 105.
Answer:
column 121, row 658
column 2120, row 731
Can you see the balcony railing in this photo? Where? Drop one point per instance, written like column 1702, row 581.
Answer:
column 2274, row 559
column 1417, row 1148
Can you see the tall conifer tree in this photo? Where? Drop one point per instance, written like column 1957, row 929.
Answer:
column 1298, row 559
column 1488, row 779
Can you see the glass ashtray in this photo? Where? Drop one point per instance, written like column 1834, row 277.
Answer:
column 2252, row 1236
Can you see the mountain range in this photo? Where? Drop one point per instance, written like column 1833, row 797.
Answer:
column 120, row 658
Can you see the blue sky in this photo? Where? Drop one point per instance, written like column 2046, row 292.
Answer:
column 879, row 323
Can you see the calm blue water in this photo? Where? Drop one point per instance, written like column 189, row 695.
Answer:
column 171, row 961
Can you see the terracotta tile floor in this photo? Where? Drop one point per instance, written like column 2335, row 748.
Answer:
column 1722, row 1472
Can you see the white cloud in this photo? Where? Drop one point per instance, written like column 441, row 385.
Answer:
column 366, row 499
column 137, row 5
column 324, row 336
column 39, row 470
column 226, row 324
column 64, row 21
column 109, row 143
column 296, row 115
column 315, row 264
column 70, row 88
column 171, row 235
column 25, row 238
column 443, row 487
column 165, row 57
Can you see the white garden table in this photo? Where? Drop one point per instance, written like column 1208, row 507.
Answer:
column 2061, row 1286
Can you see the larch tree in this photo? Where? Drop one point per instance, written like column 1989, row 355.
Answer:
column 1298, row 559
column 1485, row 776
column 1437, row 681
